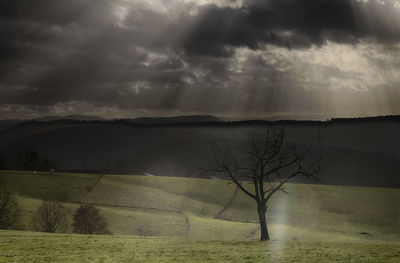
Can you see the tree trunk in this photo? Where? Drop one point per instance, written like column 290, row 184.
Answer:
column 263, row 222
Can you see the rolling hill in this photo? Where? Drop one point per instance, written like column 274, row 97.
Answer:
column 172, row 219
column 361, row 152
column 215, row 210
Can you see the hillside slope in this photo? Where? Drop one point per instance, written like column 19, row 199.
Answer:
column 212, row 209
column 353, row 156
column 362, row 152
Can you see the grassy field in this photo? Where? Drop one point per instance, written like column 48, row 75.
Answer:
column 39, row 247
column 182, row 218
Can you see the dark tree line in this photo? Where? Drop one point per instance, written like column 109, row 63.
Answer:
column 33, row 161
column 2, row 163
column 28, row 161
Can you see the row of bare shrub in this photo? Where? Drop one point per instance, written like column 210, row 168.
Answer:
column 51, row 216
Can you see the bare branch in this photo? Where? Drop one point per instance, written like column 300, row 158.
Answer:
column 240, row 185
column 262, row 159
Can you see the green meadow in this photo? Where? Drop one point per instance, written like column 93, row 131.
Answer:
column 165, row 219
column 40, row 247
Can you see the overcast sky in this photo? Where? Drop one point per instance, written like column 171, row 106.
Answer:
column 253, row 59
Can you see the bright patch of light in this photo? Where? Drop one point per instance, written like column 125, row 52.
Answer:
column 381, row 2
column 154, row 58
column 342, row 66
column 174, row 6
column 221, row 3
column 138, row 86
column 121, row 13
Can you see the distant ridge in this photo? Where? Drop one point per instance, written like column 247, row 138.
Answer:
column 189, row 120
column 172, row 120
column 5, row 124
column 77, row 117
column 375, row 118
column 209, row 120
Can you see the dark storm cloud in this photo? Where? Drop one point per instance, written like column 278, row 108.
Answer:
column 65, row 51
column 56, row 12
column 289, row 23
column 58, row 51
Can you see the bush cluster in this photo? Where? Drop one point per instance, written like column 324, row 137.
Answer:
column 53, row 217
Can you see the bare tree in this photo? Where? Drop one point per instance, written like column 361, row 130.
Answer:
column 10, row 212
column 262, row 161
column 87, row 220
column 51, row 217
